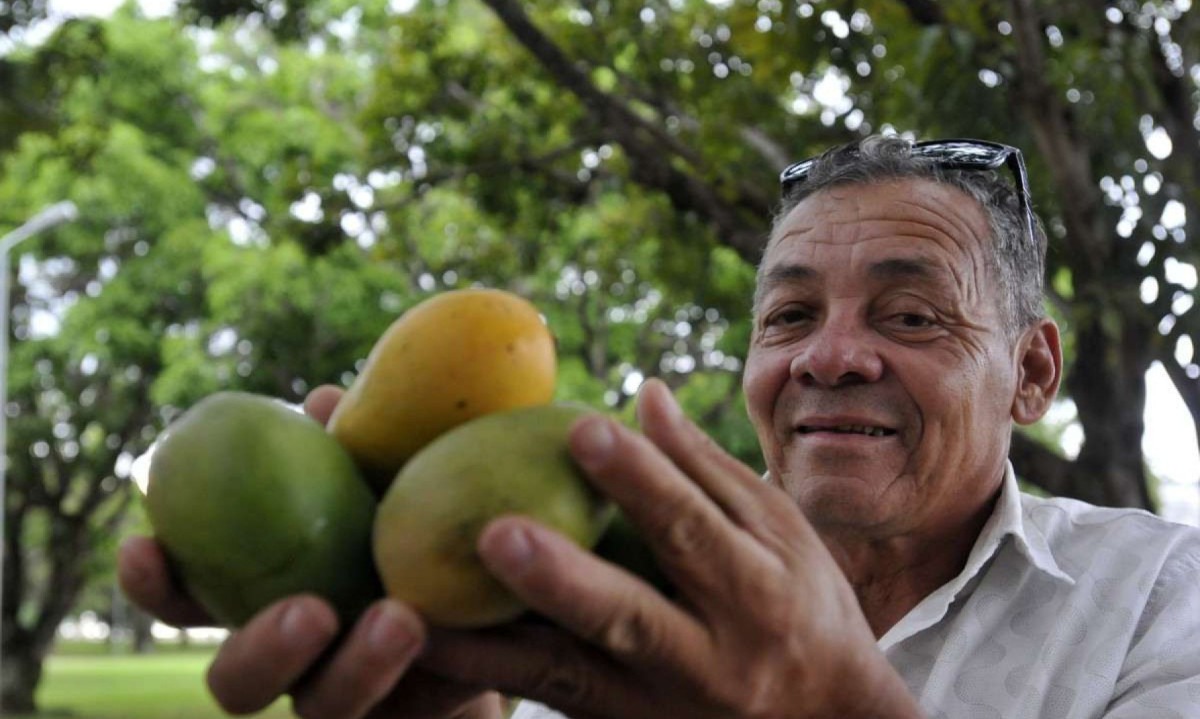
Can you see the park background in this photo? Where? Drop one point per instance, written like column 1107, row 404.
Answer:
column 262, row 186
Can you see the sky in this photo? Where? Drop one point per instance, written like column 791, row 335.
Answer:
column 1170, row 438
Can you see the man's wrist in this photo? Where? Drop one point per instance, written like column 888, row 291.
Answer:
column 883, row 694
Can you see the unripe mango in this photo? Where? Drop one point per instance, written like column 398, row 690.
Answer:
column 428, row 523
column 449, row 359
column 253, row 502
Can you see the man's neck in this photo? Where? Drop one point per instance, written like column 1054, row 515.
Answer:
column 892, row 575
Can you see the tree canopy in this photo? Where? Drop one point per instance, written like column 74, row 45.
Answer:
column 264, row 186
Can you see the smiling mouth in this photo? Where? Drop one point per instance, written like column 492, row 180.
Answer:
column 862, row 429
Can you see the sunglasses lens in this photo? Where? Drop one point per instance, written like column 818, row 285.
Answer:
column 964, row 154
column 952, row 155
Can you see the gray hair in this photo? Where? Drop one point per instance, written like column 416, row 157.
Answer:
column 1017, row 266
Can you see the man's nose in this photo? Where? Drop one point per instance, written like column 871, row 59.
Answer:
column 838, row 353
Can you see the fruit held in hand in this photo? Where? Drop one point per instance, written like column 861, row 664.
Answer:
column 428, row 523
column 254, row 502
column 455, row 356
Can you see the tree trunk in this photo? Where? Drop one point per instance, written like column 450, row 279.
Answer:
column 141, row 623
column 26, row 644
column 22, row 671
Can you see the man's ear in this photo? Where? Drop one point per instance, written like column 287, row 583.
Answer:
column 1039, row 371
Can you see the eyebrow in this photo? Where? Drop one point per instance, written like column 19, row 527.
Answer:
column 786, row 274
column 889, row 270
column 781, row 275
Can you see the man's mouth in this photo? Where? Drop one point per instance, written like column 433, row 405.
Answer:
column 863, row 429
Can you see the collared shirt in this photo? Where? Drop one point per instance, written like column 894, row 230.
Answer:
column 1064, row 610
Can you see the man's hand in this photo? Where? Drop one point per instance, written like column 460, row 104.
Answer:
column 295, row 647
column 764, row 624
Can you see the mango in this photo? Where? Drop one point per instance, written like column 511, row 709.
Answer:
column 253, row 502
column 449, row 359
column 429, row 521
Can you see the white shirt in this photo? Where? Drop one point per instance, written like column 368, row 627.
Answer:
column 1064, row 610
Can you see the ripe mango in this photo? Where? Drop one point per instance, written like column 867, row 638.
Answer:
column 253, row 502
column 451, row 358
column 428, row 523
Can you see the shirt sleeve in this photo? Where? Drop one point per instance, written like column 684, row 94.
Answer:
column 1161, row 673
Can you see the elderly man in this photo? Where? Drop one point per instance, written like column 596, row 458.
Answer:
column 889, row 567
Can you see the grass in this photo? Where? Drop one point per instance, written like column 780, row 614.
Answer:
column 166, row 684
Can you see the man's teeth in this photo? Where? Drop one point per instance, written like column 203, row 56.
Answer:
column 851, row 429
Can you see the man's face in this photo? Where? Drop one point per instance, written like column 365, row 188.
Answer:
column 879, row 378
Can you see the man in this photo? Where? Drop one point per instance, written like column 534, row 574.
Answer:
column 889, row 567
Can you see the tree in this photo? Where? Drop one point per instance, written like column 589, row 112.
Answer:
column 155, row 297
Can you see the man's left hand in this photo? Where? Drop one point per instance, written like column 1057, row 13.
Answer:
column 763, row 624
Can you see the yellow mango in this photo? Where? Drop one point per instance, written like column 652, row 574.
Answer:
column 451, row 358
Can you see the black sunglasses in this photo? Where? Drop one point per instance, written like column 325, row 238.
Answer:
column 954, row 154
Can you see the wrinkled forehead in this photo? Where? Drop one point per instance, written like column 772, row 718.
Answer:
column 917, row 200
column 860, row 224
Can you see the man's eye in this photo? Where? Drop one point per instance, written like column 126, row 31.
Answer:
column 789, row 317
column 915, row 321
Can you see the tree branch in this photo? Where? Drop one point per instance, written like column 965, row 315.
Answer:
column 1039, row 466
column 1056, row 137
column 739, row 223
column 925, row 12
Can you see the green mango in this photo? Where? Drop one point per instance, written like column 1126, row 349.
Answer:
column 429, row 521
column 253, row 502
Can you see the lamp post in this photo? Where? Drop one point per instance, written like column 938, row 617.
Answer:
column 48, row 218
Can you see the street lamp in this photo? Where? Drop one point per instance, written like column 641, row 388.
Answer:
column 52, row 216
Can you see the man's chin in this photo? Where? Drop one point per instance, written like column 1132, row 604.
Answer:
column 847, row 497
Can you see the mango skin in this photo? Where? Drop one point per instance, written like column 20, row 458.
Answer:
column 253, row 502
column 455, row 356
column 428, row 523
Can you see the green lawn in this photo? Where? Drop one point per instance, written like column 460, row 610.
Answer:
column 167, row 684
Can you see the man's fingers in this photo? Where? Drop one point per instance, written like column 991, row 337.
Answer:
column 727, row 481
column 422, row 694
column 695, row 543
column 146, row 580
column 591, row 598
column 320, row 403
column 536, row 662
column 263, row 659
column 757, row 507
column 366, row 666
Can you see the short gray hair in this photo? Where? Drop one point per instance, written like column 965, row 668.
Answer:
column 1017, row 266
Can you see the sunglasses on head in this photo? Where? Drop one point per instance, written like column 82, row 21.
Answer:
column 956, row 154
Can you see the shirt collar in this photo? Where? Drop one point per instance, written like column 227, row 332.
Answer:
column 1007, row 520
column 1027, row 536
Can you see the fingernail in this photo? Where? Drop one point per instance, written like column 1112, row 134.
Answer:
column 656, row 398
column 133, row 570
column 304, row 626
column 388, row 634
column 594, row 440
column 295, row 616
column 508, row 550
